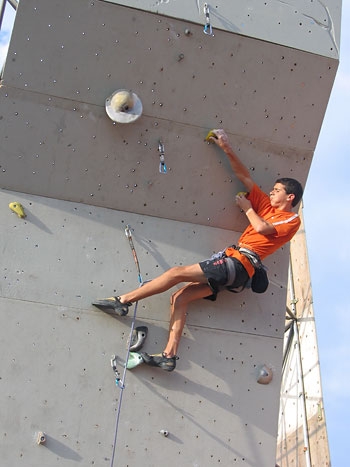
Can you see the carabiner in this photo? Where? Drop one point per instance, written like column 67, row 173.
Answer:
column 207, row 27
column 162, row 165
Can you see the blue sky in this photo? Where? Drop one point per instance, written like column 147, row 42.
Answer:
column 327, row 220
column 5, row 32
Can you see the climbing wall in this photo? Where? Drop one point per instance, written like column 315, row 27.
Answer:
column 82, row 178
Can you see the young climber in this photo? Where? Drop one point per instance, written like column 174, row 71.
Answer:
column 271, row 224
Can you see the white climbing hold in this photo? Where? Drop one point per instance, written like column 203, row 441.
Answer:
column 41, row 438
column 265, row 375
column 123, row 106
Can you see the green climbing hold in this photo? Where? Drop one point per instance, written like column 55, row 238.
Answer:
column 134, row 360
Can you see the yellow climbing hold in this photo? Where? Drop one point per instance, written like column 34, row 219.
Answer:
column 242, row 193
column 211, row 134
column 18, row 209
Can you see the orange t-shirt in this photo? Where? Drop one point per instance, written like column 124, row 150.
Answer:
column 286, row 224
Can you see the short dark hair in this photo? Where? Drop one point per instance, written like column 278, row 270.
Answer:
column 292, row 187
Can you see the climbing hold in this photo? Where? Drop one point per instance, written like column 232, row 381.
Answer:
column 134, row 360
column 18, row 209
column 123, row 106
column 138, row 338
column 265, row 375
column 241, row 193
column 164, row 433
column 41, row 438
column 211, row 134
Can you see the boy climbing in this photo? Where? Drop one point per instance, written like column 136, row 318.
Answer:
column 272, row 223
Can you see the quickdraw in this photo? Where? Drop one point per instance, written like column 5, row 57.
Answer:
column 162, row 165
column 207, row 27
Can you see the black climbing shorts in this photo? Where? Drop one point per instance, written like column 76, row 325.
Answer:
column 223, row 273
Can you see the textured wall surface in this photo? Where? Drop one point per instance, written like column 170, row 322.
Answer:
column 60, row 70
column 56, row 375
column 81, row 179
column 308, row 25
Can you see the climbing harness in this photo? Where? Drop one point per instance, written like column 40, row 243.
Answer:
column 120, row 379
column 162, row 165
column 207, row 27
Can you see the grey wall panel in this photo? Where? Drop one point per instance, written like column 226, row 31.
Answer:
column 250, row 87
column 67, row 150
column 67, row 254
column 57, row 347
column 60, row 70
column 58, row 379
column 306, row 25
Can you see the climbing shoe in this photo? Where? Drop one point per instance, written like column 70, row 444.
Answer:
column 114, row 304
column 160, row 361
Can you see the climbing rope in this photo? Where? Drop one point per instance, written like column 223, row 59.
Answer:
column 120, row 382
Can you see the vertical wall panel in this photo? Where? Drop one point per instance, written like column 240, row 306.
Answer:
column 57, row 347
column 308, row 25
column 270, row 99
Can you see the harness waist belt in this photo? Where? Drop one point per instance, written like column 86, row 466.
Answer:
column 253, row 257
